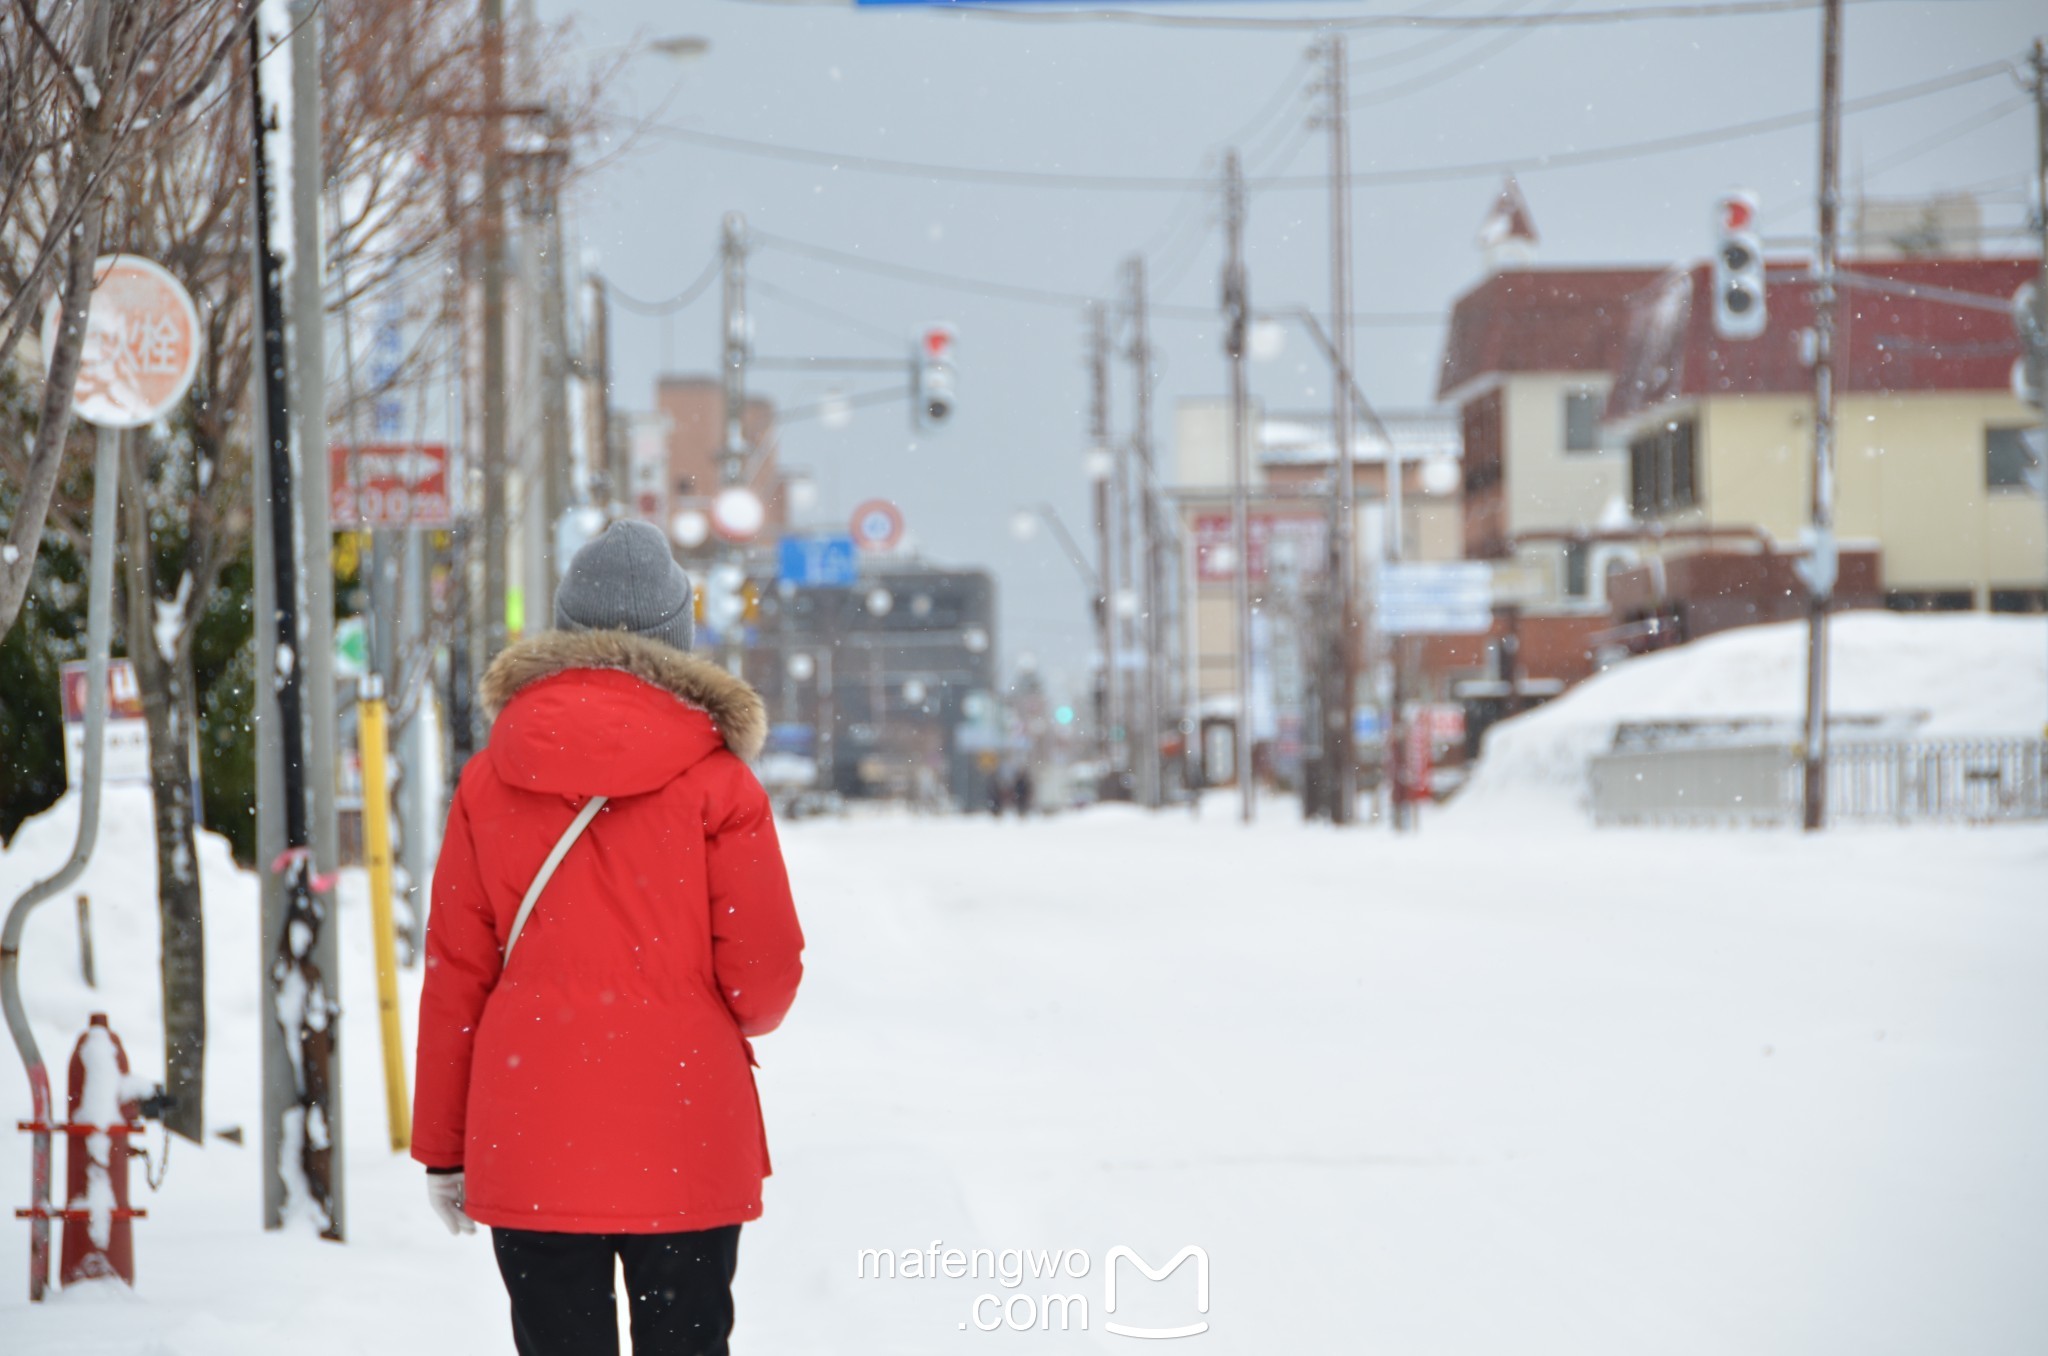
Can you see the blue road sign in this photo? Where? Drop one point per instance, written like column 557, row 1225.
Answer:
column 818, row 562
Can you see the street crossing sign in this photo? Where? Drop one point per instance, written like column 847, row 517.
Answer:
column 818, row 562
column 1438, row 599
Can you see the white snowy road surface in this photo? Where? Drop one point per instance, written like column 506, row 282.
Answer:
column 1481, row 1092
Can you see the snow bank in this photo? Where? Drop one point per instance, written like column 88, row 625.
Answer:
column 1966, row 674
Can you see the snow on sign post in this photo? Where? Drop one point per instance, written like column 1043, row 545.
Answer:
column 141, row 344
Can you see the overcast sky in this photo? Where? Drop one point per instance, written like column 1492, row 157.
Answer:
column 1104, row 98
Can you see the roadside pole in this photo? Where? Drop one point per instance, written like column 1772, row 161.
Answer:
column 732, row 456
column 1821, row 577
column 98, row 632
column 302, row 1123
column 1109, row 710
column 1236, row 321
column 370, row 724
column 1341, row 761
column 2039, row 337
column 1151, row 703
column 308, row 358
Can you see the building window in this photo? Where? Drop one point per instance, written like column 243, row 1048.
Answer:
column 2009, row 464
column 1663, row 467
column 1582, row 421
column 2019, row 600
column 1577, row 569
column 1930, row 600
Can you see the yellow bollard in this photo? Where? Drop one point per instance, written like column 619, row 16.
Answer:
column 377, row 857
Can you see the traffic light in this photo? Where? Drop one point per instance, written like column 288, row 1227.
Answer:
column 1738, row 269
column 932, row 376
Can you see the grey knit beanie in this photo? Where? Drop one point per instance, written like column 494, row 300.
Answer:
column 626, row 580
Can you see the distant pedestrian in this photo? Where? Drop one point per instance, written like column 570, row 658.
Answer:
column 585, row 1082
column 998, row 794
column 1021, row 792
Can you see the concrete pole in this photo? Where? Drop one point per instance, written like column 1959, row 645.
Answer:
column 2039, row 62
column 492, row 396
column 1341, row 761
column 1236, row 320
column 1101, row 461
column 1825, row 322
column 307, row 354
column 1151, row 595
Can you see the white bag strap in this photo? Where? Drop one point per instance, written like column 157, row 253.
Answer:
column 547, row 869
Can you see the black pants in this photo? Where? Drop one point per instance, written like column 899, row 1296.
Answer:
column 679, row 1287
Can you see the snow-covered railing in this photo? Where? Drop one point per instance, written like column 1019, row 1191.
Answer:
column 1892, row 780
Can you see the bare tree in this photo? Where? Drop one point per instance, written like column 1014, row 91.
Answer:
column 84, row 89
column 398, row 140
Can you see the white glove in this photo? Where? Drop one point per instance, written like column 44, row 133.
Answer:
column 444, row 1193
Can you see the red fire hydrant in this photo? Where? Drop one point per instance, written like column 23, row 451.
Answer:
column 101, row 1118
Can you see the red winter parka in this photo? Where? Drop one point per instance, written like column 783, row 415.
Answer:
column 600, row 1083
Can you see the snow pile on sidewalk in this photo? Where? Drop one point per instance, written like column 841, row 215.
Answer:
column 1968, row 674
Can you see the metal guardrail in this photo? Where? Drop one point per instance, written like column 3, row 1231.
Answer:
column 1976, row 781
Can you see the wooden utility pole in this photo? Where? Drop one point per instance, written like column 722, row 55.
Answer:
column 1236, row 322
column 1821, row 562
column 1151, row 595
column 1341, row 762
column 1109, row 710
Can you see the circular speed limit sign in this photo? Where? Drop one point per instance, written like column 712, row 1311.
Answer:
column 877, row 525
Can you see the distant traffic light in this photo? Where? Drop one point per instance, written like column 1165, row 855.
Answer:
column 932, row 376
column 1738, row 269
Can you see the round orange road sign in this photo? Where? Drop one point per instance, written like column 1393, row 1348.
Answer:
column 141, row 344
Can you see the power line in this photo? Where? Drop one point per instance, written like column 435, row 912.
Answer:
column 1037, row 296
column 1251, row 23
column 1462, row 64
column 1414, row 175
column 1630, row 150
column 822, row 311
column 672, row 304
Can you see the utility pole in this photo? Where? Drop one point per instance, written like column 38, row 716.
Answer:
column 308, row 322
column 556, row 472
column 732, row 456
column 597, row 346
column 1100, row 462
column 1821, row 575
column 1151, row 704
column 1341, row 761
column 302, row 1120
column 1236, row 321
column 1122, row 590
column 2038, row 335
column 495, row 528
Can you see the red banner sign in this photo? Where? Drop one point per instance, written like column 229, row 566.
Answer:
column 1297, row 538
column 389, row 485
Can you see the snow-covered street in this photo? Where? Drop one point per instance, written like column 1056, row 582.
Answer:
column 1477, row 1092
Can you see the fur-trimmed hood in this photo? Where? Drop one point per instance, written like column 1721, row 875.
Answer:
column 619, row 733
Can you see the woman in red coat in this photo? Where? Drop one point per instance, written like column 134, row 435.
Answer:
column 592, row 1097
